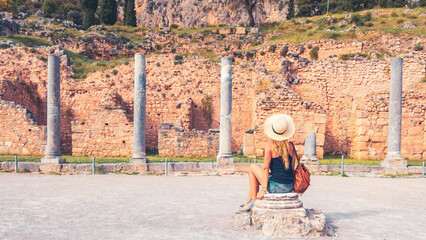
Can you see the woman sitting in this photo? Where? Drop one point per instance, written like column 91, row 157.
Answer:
column 279, row 158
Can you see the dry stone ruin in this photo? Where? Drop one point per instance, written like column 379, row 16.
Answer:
column 344, row 102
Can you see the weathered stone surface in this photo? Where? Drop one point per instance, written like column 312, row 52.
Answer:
column 83, row 168
column 394, row 157
column 28, row 166
column 194, row 143
column 310, row 151
column 53, row 148
column 139, row 112
column 242, row 221
column 283, row 215
column 225, row 151
column 50, row 167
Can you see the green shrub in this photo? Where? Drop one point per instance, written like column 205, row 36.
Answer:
column 357, row 19
column 314, row 53
column 175, row 26
column 249, row 55
column 272, row 48
column 4, row 46
column 418, row 47
column 178, row 57
column 284, row 51
column 368, row 17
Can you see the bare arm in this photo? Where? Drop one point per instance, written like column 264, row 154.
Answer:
column 293, row 154
column 266, row 163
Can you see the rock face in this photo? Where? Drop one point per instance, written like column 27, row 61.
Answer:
column 8, row 27
column 283, row 215
column 196, row 13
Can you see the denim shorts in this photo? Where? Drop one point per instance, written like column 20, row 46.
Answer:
column 274, row 187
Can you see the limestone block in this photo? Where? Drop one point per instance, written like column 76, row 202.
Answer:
column 240, row 30
column 260, row 152
column 28, row 166
column 186, row 167
column 225, row 31
column 68, row 168
column 320, row 118
column 50, row 167
column 254, row 30
column 83, row 168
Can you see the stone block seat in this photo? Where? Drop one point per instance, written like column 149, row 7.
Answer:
column 282, row 215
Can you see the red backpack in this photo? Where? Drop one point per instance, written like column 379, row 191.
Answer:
column 302, row 176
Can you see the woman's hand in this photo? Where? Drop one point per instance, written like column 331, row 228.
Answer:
column 261, row 194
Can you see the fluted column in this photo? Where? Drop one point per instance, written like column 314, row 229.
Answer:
column 53, row 148
column 393, row 157
column 139, row 154
column 225, row 152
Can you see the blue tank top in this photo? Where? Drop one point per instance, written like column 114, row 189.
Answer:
column 278, row 172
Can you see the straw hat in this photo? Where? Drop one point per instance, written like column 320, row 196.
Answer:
column 279, row 127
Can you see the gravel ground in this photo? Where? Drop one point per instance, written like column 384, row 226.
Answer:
column 36, row 206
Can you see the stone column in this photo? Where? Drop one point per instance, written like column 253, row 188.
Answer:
column 225, row 152
column 393, row 157
column 53, row 148
column 139, row 155
column 310, row 152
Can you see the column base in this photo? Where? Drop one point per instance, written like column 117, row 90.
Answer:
column 225, row 163
column 310, row 160
column 53, row 159
column 139, row 160
column 393, row 160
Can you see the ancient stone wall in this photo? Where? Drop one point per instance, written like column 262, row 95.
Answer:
column 104, row 133
column 20, row 133
column 370, row 132
column 175, row 141
column 307, row 117
column 338, row 86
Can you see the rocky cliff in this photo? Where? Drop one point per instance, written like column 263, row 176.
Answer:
column 199, row 13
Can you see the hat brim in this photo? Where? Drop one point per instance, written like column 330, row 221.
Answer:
column 291, row 128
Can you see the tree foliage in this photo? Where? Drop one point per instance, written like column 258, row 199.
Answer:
column 89, row 7
column 290, row 12
column 130, row 14
column 49, row 8
column 108, row 13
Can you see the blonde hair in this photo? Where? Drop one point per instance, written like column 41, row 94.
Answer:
column 281, row 147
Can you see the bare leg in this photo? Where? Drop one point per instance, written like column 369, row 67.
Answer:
column 255, row 177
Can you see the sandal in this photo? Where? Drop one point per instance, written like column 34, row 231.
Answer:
column 245, row 208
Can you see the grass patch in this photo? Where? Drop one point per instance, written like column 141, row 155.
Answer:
column 28, row 41
column 337, row 160
column 397, row 175
column 346, row 57
column 83, row 66
column 154, row 157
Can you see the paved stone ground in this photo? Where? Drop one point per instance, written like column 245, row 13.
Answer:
column 195, row 207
